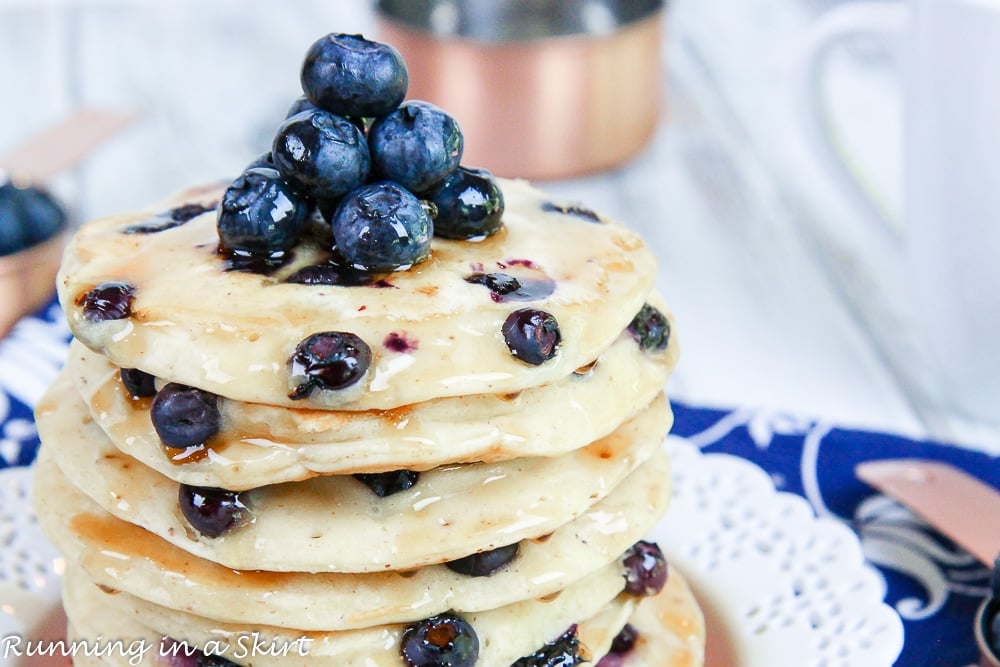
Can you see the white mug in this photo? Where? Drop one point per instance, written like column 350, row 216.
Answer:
column 949, row 234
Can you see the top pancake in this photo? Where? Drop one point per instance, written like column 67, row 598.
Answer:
column 432, row 333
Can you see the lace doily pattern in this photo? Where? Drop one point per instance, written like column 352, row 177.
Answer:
column 27, row 560
column 790, row 589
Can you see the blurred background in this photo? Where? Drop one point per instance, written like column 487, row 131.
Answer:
column 788, row 296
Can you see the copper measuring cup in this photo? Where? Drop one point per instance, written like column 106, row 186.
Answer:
column 541, row 88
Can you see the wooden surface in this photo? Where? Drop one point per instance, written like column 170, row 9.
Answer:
column 784, row 300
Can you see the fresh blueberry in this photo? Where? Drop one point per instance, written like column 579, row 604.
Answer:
column 261, row 214
column 469, row 205
column 328, row 360
column 571, row 209
column 300, row 104
column 485, row 563
column 565, row 651
column 108, row 301
column 531, row 335
column 381, row 227
column 28, row 216
column 385, row 484
column 625, row 640
column 352, row 76
column 138, row 384
column 645, row 569
column 211, row 511
column 325, row 154
column 184, row 416
column 417, row 145
column 650, row 328
column 446, row 640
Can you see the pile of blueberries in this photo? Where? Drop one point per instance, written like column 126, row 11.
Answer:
column 385, row 174
column 28, row 216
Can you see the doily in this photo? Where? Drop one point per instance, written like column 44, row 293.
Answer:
column 786, row 587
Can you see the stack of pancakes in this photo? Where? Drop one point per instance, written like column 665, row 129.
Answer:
column 562, row 458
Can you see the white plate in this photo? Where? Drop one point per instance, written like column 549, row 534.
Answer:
column 778, row 585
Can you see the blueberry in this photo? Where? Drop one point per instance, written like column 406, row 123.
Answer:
column 328, row 360
column 28, row 216
column 499, row 284
column 325, row 154
column 381, row 227
column 108, row 301
column 352, row 76
column 211, row 511
column 650, row 328
column 531, row 335
column 184, row 416
column 138, row 384
column 300, row 104
column 469, row 205
column 564, row 651
column 446, row 640
column 385, row 484
column 261, row 213
column 504, row 287
column 625, row 640
column 485, row 563
column 645, row 569
column 417, row 145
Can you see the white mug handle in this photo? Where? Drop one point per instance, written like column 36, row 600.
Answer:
column 886, row 20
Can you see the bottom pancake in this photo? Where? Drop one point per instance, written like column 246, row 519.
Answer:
column 671, row 632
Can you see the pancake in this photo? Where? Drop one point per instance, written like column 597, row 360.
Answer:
column 432, row 333
column 261, row 444
column 450, row 512
column 121, row 556
column 505, row 634
column 671, row 630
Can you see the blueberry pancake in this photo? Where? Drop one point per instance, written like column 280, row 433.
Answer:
column 121, row 556
column 364, row 405
column 667, row 630
column 259, row 444
column 170, row 304
column 300, row 526
column 504, row 634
